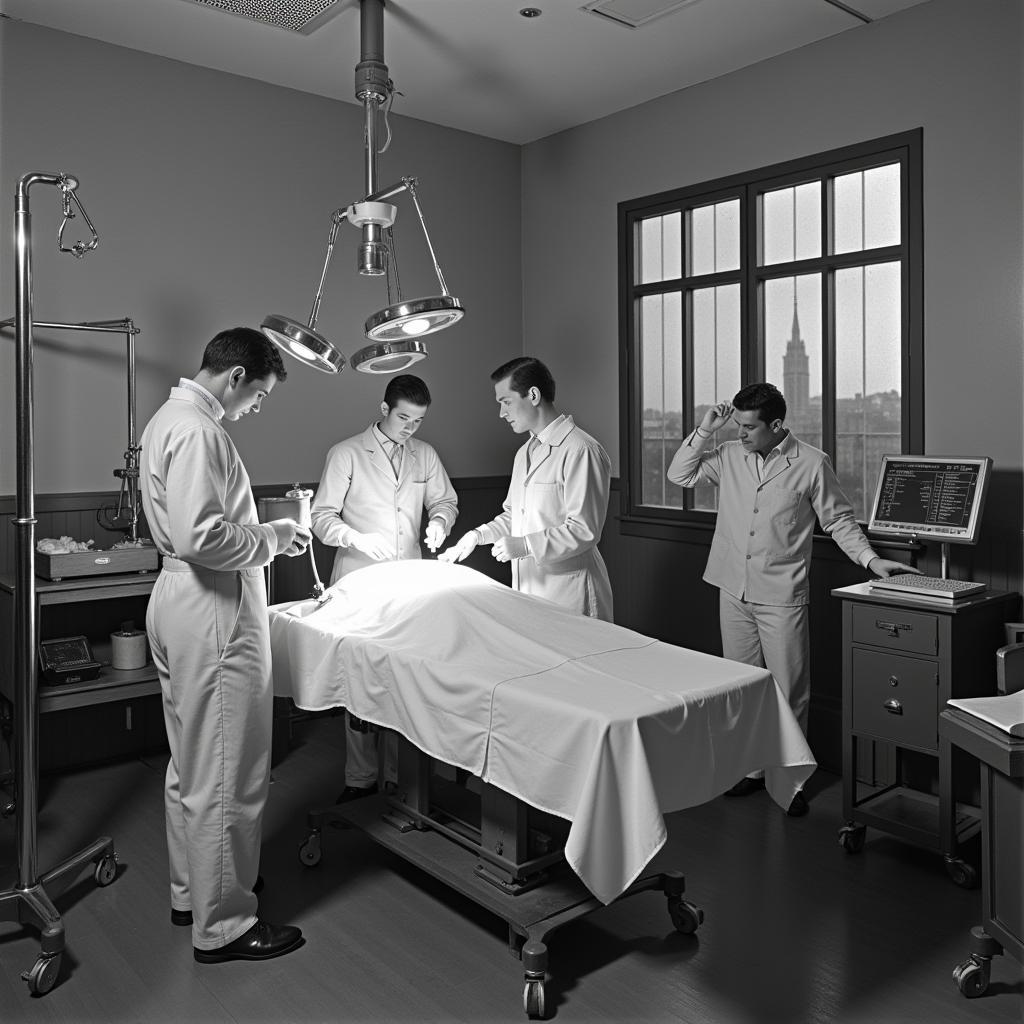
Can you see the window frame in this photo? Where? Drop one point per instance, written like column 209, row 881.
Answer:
column 904, row 148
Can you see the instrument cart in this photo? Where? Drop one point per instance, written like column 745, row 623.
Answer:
column 493, row 848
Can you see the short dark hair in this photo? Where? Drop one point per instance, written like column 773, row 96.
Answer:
column 765, row 399
column 407, row 386
column 244, row 346
column 525, row 373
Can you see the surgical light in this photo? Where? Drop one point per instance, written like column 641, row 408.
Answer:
column 303, row 342
column 389, row 356
column 397, row 327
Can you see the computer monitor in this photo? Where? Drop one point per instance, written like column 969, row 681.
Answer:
column 930, row 498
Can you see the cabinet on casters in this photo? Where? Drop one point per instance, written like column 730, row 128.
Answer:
column 93, row 719
column 1002, row 807
column 903, row 658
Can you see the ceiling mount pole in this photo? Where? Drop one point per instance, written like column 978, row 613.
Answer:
column 373, row 87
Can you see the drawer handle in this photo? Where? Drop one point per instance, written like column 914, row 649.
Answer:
column 894, row 707
column 893, row 628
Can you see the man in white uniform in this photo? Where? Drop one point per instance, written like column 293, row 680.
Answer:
column 369, row 505
column 557, row 499
column 772, row 488
column 209, row 634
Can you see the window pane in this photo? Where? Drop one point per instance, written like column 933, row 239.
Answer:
column 715, row 237
column 661, row 370
column 791, row 223
column 660, row 254
column 867, row 209
column 868, row 370
column 792, row 348
column 716, row 361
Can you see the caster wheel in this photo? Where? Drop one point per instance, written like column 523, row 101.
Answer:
column 533, row 1000
column 851, row 838
column 971, row 978
column 106, row 870
column 962, row 873
column 309, row 851
column 686, row 917
column 43, row 975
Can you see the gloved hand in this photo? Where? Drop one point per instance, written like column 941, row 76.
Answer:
column 506, row 548
column 372, row 544
column 462, row 550
column 435, row 535
column 292, row 538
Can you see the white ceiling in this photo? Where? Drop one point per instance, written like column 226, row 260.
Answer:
column 476, row 65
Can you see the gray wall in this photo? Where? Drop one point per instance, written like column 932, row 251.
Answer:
column 212, row 196
column 951, row 67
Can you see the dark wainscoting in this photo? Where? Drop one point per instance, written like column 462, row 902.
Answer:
column 655, row 571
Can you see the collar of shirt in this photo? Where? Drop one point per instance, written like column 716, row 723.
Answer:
column 215, row 407
column 384, row 441
column 762, row 461
column 552, row 428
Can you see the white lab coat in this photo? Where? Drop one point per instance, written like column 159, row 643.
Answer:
column 209, row 635
column 559, row 506
column 358, row 492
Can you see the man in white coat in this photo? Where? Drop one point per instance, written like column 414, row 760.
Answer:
column 772, row 488
column 557, row 499
column 209, row 635
column 369, row 505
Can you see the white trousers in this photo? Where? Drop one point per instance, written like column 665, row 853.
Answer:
column 774, row 637
column 361, row 759
column 210, row 639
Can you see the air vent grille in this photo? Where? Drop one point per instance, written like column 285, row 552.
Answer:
column 294, row 15
column 634, row 13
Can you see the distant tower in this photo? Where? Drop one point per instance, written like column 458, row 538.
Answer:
column 796, row 376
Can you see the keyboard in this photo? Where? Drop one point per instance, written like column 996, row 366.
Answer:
column 928, row 586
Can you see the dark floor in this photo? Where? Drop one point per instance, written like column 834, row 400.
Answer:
column 796, row 930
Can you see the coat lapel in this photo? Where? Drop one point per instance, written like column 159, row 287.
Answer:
column 786, row 458
column 543, row 450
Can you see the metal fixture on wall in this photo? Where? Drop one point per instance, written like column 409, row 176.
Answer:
column 125, row 515
column 397, row 329
column 28, row 901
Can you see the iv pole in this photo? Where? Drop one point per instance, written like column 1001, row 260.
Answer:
column 28, row 902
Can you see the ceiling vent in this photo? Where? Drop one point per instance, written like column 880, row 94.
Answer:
column 303, row 16
column 634, row 13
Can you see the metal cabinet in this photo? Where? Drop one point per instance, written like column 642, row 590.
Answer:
column 117, row 713
column 903, row 658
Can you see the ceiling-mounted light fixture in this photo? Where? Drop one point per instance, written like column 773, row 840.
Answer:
column 398, row 327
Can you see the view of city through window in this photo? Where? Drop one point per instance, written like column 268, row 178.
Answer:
column 690, row 335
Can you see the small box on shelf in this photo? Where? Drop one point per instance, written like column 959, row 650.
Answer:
column 96, row 563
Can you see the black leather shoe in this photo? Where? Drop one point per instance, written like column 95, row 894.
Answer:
column 183, row 918
column 261, row 942
column 745, row 787
column 798, row 806
column 355, row 793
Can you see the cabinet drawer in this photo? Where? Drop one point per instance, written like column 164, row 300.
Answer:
column 895, row 699
column 895, row 628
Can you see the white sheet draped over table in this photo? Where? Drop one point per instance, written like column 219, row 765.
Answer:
column 596, row 723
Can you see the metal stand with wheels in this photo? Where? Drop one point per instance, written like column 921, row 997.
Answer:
column 29, row 902
column 493, row 857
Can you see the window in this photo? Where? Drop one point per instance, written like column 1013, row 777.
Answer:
column 806, row 274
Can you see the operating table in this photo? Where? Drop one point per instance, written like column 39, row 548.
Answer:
column 582, row 734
